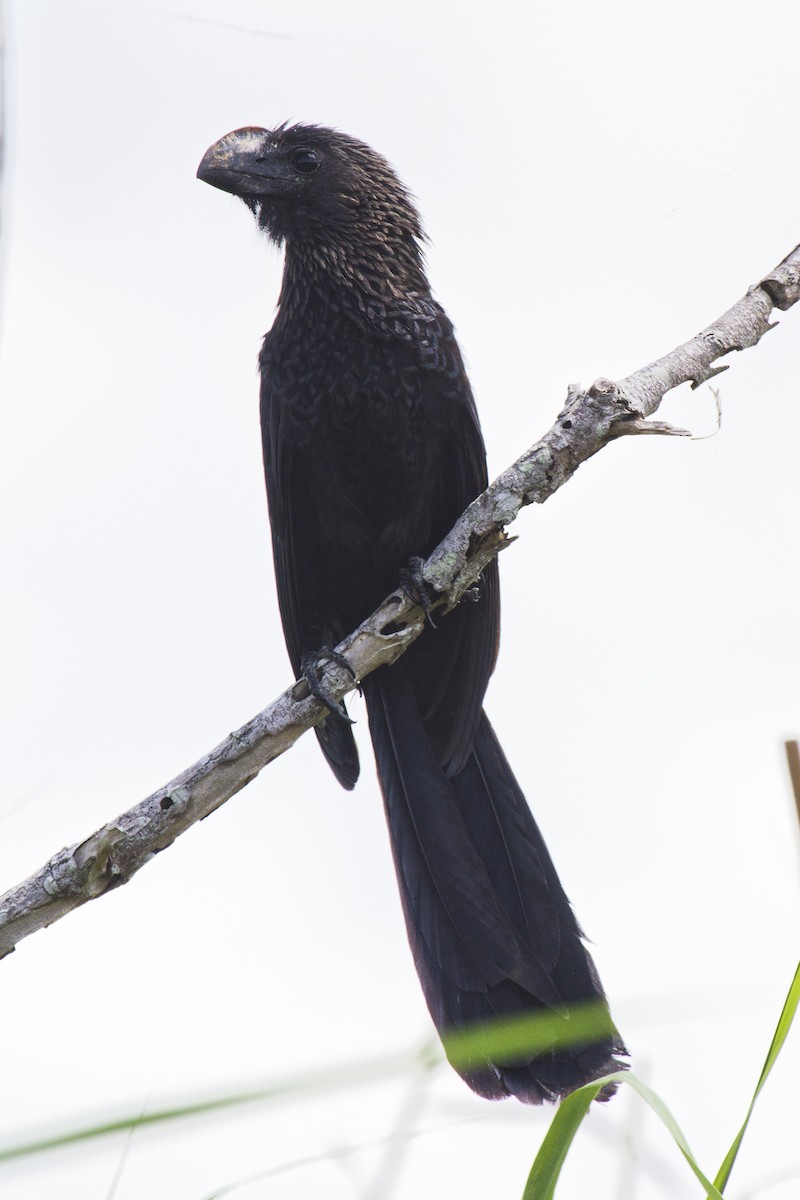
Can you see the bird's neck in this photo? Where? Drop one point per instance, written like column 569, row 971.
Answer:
column 352, row 272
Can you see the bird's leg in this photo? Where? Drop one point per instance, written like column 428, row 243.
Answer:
column 311, row 668
column 416, row 588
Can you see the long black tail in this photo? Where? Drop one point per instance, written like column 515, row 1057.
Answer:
column 491, row 930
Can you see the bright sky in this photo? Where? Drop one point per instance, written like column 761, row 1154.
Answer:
column 599, row 182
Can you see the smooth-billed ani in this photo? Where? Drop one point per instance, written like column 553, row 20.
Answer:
column 372, row 449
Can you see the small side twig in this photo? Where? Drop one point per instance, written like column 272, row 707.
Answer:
column 792, row 749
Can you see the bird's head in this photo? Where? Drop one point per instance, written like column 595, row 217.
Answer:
column 310, row 183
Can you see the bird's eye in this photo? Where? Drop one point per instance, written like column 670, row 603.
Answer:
column 305, row 161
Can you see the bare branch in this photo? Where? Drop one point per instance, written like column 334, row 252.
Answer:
column 589, row 420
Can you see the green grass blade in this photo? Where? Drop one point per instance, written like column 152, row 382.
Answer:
column 505, row 1039
column 553, row 1151
column 312, row 1083
column 660, row 1109
column 784, row 1025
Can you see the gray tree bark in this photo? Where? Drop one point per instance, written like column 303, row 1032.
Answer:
column 589, row 420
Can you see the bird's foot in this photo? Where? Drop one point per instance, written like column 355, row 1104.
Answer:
column 311, row 665
column 416, row 588
column 471, row 595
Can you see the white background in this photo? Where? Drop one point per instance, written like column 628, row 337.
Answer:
column 599, row 182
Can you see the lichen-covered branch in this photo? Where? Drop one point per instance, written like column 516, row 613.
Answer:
column 589, row 420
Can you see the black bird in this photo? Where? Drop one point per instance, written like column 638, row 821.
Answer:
column 372, row 449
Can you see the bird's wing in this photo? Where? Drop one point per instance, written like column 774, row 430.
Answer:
column 295, row 568
column 450, row 667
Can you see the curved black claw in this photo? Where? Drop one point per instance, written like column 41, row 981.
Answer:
column 416, row 588
column 311, row 667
